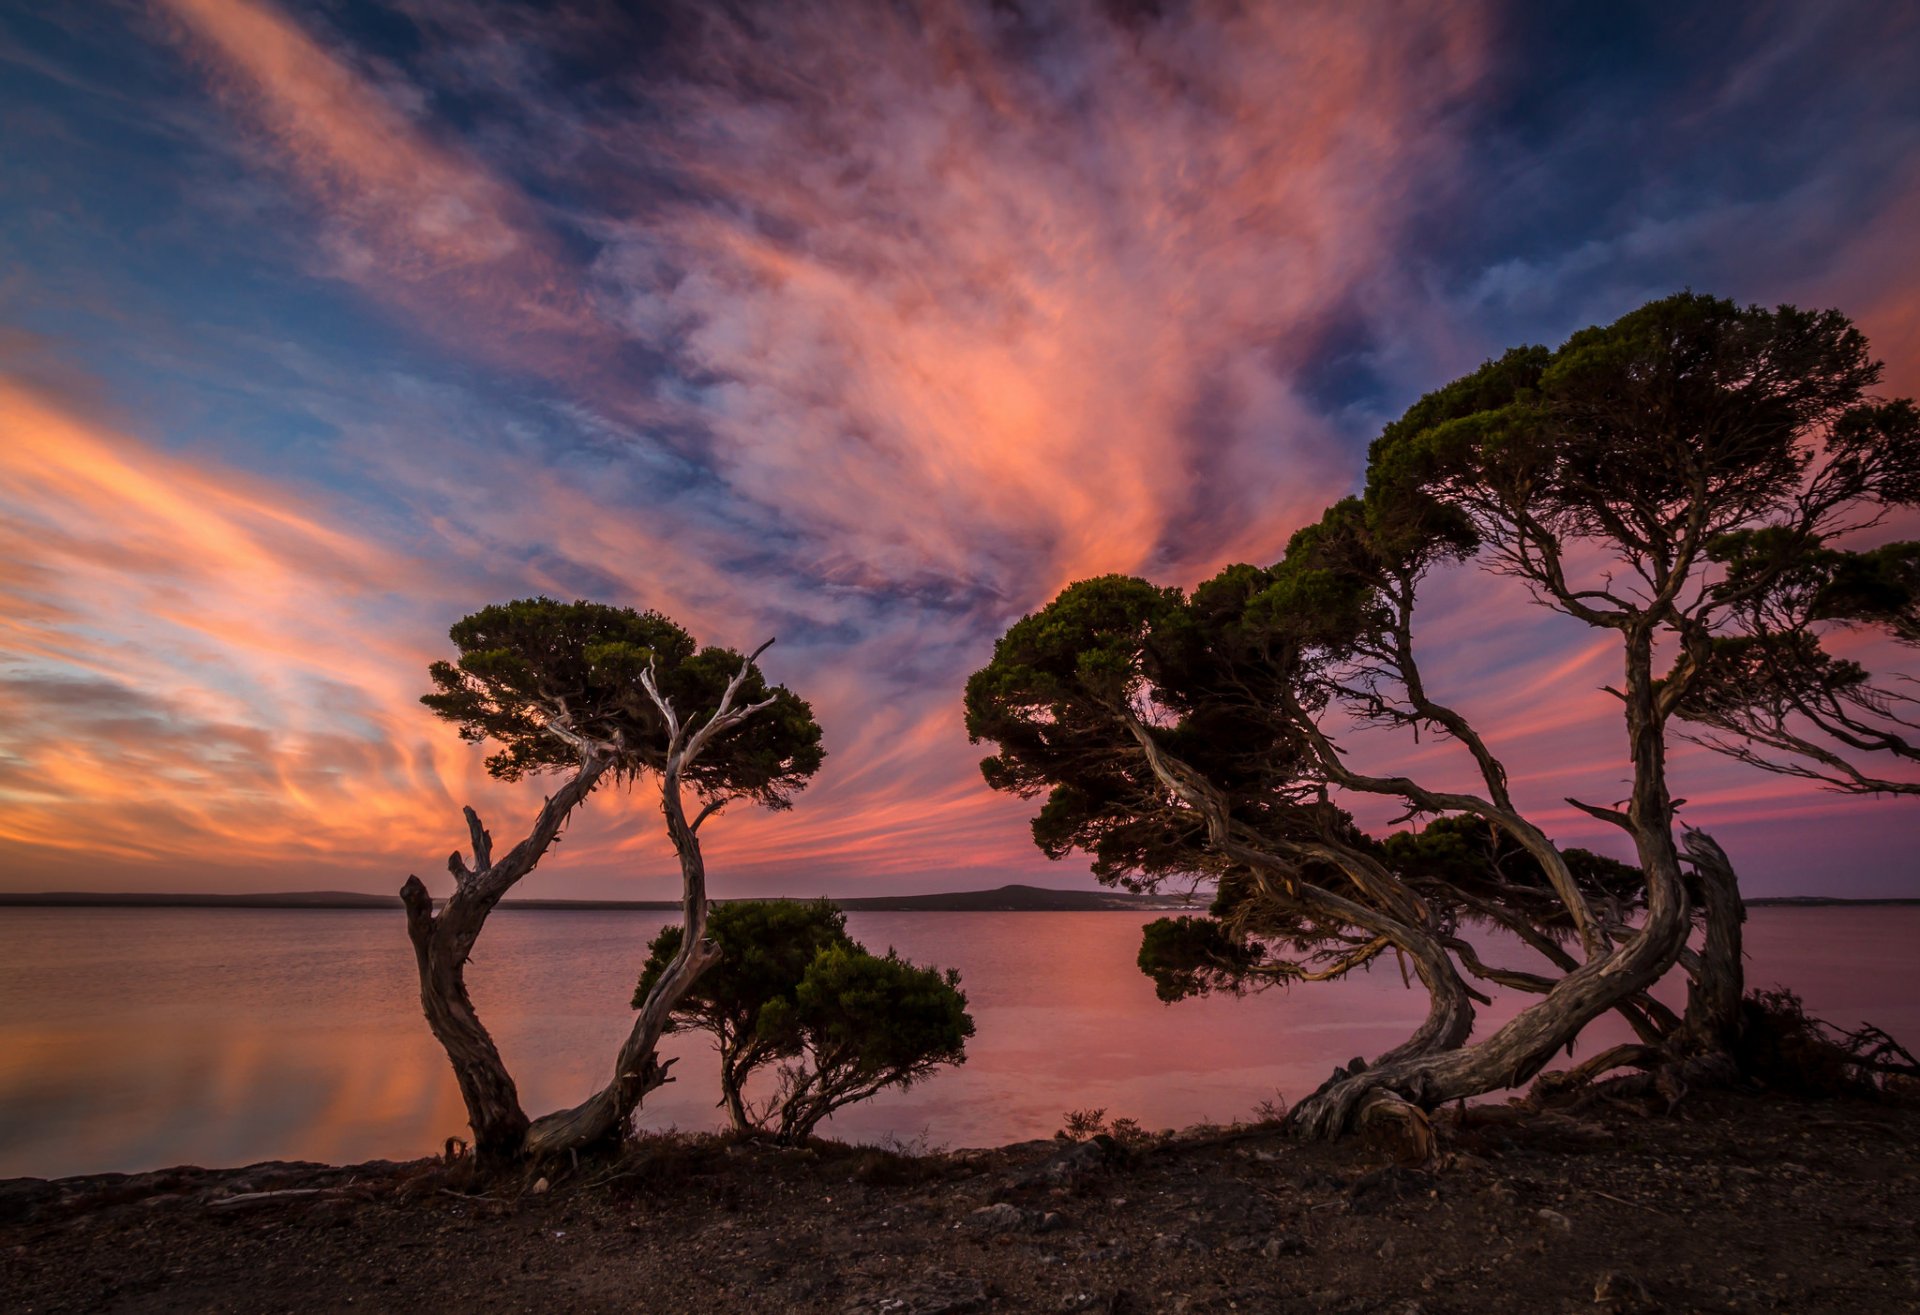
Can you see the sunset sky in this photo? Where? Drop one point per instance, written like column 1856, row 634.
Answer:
column 323, row 324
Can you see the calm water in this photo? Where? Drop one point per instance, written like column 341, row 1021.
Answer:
column 136, row 1038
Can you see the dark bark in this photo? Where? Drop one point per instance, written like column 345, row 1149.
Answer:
column 1394, row 911
column 1717, row 976
column 733, row 1097
column 603, row 1116
column 1519, row 1050
column 443, row 942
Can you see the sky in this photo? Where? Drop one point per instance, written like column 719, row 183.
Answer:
column 862, row 326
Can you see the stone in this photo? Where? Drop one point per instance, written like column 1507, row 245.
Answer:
column 1284, row 1244
column 1374, row 1192
column 1005, row 1217
column 1178, row 1243
column 1074, row 1163
column 1618, row 1293
column 936, row 1294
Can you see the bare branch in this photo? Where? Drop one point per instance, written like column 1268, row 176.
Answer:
column 726, row 716
column 482, row 840
column 665, row 706
column 707, row 810
column 1612, row 815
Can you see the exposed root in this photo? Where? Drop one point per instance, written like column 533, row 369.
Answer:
column 1402, row 1128
column 1778, row 1046
column 1356, row 1097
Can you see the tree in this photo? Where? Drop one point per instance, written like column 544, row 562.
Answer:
column 1200, row 736
column 861, row 1023
column 1614, row 478
column 595, row 692
column 766, row 948
column 791, row 985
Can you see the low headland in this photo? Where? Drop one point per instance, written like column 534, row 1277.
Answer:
column 1726, row 1202
column 1014, row 898
column 1000, row 899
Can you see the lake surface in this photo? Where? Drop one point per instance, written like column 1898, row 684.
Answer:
column 140, row 1038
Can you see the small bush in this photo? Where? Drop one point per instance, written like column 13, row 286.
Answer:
column 1782, row 1046
column 792, row 988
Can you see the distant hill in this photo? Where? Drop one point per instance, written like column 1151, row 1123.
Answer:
column 1004, row 899
column 1818, row 902
column 1001, row 899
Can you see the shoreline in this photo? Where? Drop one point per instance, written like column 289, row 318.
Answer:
column 1002, row 899
column 1005, row 899
column 1809, row 1206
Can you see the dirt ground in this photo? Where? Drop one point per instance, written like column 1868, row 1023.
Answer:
column 1729, row 1204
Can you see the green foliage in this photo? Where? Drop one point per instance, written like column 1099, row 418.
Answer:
column 1879, row 587
column 1456, row 859
column 863, row 1023
column 766, row 947
column 874, row 1019
column 529, row 666
column 792, row 985
column 1687, row 418
column 1072, row 690
column 1188, row 956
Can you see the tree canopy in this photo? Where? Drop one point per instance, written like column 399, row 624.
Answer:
column 1696, row 476
column 548, row 681
column 593, row 690
column 766, row 949
column 791, row 985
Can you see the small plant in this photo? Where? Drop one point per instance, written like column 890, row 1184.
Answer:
column 1271, row 1110
column 1792, row 1051
column 1082, row 1124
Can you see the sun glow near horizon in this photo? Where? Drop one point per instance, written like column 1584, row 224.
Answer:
column 863, row 332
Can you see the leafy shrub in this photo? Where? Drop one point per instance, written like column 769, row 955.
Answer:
column 792, row 987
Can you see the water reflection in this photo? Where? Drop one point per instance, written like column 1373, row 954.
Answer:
column 134, row 1038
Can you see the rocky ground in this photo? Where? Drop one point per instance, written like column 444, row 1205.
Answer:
column 1729, row 1204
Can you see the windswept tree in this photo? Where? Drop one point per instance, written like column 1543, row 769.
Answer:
column 1612, row 477
column 592, row 693
column 793, row 989
column 1158, row 728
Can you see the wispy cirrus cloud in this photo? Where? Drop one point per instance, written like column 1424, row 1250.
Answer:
column 865, row 326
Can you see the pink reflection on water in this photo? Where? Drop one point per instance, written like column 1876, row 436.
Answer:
column 132, row 1039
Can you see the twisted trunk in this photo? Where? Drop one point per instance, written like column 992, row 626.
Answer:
column 1402, row 917
column 603, row 1116
column 1521, row 1048
column 493, row 1101
column 732, row 1082
column 1717, row 976
column 442, row 944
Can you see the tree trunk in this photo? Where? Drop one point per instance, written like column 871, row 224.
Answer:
column 442, row 944
column 603, row 1116
column 493, row 1102
column 731, row 1097
column 1520, row 1049
column 1718, row 984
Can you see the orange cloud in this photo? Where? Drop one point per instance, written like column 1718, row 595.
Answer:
column 939, row 340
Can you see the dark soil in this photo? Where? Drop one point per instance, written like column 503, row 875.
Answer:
column 1729, row 1204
